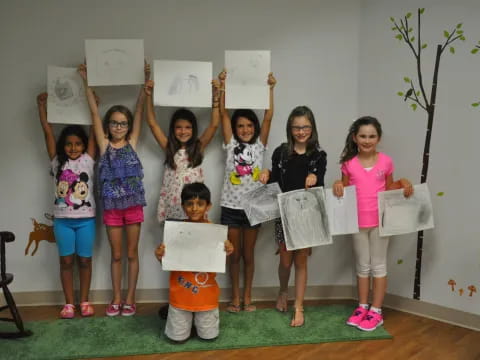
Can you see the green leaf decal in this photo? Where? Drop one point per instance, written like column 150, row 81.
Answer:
column 474, row 51
column 392, row 19
column 446, row 33
column 406, row 79
column 441, row 193
column 414, row 106
column 424, row 46
column 412, row 39
column 399, row 37
column 462, row 38
column 459, row 25
column 477, row 104
column 400, row 93
column 422, row 10
column 452, row 49
column 409, row 15
column 399, row 261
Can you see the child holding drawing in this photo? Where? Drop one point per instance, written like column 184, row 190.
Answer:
column 122, row 192
column 245, row 143
column 193, row 295
column 371, row 172
column 184, row 151
column 299, row 163
column 72, row 161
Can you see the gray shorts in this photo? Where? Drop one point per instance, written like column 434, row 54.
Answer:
column 179, row 323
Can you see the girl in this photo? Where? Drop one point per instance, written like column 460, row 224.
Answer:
column 245, row 144
column 72, row 161
column 122, row 192
column 184, row 152
column 298, row 163
column 370, row 171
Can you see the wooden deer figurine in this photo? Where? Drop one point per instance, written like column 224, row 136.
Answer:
column 40, row 232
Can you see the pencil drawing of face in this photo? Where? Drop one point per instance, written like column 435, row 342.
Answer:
column 305, row 220
column 261, row 204
column 184, row 84
column 63, row 89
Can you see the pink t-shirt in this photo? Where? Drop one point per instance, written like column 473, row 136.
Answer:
column 368, row 183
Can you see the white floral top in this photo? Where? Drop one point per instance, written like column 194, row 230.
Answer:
column 170, row 202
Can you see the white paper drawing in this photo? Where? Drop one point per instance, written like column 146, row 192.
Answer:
column 261, row 205
column 67, row 103
column 247, row 74
column 115, row 62
column 304, row 218
column 194, row 247
column 400, row 215
column 342, row 212
column 182, row 83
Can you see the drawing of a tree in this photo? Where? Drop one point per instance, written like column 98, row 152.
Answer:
column 418, row 97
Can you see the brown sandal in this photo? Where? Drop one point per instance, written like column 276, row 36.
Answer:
column 297, row 310
column 232, row 308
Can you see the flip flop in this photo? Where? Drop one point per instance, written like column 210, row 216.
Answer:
column 249, row 308
column 232, row 308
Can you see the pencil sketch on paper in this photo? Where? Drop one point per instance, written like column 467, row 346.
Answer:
column 261, row 205
column 67, row 103
column 247, row 73
column 342, row 212
column 194, row 247
column 400, row 215
column 304, row 218
column 182, row 83
column 115, row 62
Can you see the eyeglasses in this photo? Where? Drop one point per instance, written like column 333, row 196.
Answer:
column 306, row 128
column 122, row 124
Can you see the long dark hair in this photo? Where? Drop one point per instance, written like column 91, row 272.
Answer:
column 121, row 109
column 193, row 146
column 351, row 149
column 312, row 142
column 62, row 156
column 247, row 114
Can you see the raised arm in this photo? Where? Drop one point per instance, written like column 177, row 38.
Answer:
column 47, row 128
column 209, row 132
column 157, row 131
column 137, row 116
column 102, row 139
column 267, row 117
column 226, row 122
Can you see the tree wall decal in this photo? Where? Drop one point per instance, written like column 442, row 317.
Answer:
column 418, row 97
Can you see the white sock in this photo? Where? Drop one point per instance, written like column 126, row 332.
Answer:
column 377, row 310
column 365, row 306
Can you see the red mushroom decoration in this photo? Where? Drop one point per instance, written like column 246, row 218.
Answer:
column 472, row 289
column 460, row 291
column 452, row 283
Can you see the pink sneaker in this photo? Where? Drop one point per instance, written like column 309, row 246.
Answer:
column 357, row 316
column 86, row 309
column 68, row 311
column 371, row 322
column 113, row 309
column 129, row 309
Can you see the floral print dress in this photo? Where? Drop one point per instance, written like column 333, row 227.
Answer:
column 170, row 202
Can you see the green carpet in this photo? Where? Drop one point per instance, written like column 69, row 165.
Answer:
column 102, row 336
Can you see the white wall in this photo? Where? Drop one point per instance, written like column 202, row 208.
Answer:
column 339, row 57
column 314, row 48
column 452, row 249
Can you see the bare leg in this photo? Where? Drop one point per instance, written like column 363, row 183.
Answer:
column 300, row 260
column 379, row 289
column 363, row 288
column 249, row 240
column 115, row 238
column 133, row 236
column 234, row 235
column 284, row 267
column 66, row 276
column 85, row 270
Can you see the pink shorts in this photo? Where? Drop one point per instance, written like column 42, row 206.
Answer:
column 131, row 215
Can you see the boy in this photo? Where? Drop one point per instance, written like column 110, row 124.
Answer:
column 186, row 304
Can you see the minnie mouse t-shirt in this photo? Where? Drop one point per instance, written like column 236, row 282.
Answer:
column 74, row 188
column 242, row 170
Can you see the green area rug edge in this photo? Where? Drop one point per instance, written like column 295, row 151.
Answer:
column 263, row 328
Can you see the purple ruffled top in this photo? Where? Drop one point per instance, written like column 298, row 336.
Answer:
column 121, row 173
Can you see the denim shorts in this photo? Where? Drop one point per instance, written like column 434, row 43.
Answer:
column 235, row 218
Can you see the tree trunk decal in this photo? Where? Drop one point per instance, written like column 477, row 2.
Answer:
column 418, row 97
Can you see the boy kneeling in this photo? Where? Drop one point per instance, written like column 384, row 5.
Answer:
column 193, row 295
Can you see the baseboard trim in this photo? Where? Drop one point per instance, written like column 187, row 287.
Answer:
column 320, row 292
